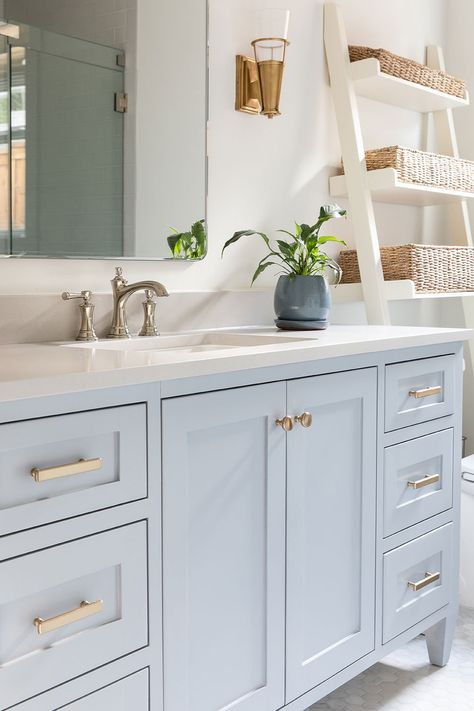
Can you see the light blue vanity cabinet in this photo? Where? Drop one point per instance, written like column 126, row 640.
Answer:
column 331, row 498
column 255, row 538
column 224, row 481
column 235, row 486
column 123, row 695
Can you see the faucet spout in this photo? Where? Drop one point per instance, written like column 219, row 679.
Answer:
column 155, row 286
column 122, row 291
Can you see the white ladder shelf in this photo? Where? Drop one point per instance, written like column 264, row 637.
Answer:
column 363, row 188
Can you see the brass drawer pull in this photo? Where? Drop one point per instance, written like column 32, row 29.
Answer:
column 426, row 481
column 80, row 467
column 426, row 392
column 286, row 423
column 85, row 609
column 429, row 579
column 305, row 420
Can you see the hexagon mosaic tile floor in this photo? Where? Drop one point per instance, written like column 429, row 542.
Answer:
column 405, row 680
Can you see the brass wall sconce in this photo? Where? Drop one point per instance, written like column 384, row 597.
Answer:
column 259, row 78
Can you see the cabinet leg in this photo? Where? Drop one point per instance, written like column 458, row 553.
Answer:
column 439, row 640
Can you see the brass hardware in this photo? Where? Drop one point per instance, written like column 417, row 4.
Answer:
column 86, row 330
column 259, row 81
column 121, row 102
column 286, row 423
column 8, row 29
column 122, row 291
column 85, row 609
column 429, row 579
column 149, row 307
column 426, row 481
column 426, row 392
column 305, row 420
column 63, row 470
column 247, row 94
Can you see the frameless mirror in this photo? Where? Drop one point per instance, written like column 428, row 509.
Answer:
column 68, row 110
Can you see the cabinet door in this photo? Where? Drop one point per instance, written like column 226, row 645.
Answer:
column 331, row 526
column 224, row 550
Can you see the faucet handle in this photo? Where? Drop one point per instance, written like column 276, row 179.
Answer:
column 86, row 330
column 149, row 307
column 119, row 277
column 85, row 295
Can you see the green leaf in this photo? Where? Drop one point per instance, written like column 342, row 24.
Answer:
column 306, row 232
column 336, row 268
column 329, row 212
column 285, row 248
column 261, row 268
column 245, row 233
column 198, row 231
column 285, row 232
column 173, row 241
column 331, row 238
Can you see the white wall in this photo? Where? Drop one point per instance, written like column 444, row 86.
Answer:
column 263, row 174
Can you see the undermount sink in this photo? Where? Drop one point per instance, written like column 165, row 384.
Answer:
column 193, row 343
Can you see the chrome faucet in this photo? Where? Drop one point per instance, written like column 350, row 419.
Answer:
column 122, row 291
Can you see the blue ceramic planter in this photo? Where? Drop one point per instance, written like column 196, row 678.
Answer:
column 302, row 303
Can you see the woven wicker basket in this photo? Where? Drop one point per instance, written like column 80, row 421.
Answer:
column 430, row 169
column 410, row 70
column 432, row 268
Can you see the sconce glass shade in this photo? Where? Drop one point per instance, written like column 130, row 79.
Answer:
column 270, row 53
column 273, row 22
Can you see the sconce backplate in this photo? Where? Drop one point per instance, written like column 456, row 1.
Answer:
column 247, row 95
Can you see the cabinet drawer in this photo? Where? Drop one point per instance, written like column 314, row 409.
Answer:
column 42, row 478
column 418, row 391
column 71, row 608
column 124, row 695
column 403, row 567
column 418, row 480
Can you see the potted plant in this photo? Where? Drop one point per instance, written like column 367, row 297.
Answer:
column 302, row 296
column 189, row 245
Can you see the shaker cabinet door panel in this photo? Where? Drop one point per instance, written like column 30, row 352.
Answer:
column 331, row 526
column 224, row 550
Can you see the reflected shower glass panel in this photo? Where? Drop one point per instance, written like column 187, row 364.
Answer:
column 67, row 155
column 4, row 149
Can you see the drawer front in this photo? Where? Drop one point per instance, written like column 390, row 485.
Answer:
column 418, row 391
column 42, row 477
column 69, row 609
column 418, row 480
column 409, row 566
column 124, row 695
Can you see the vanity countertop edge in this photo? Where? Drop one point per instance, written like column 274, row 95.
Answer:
column 35, row 370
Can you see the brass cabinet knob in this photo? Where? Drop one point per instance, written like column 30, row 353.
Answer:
column 305, row 420
column 286, row 423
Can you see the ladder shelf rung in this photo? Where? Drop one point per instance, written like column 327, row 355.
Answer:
column 399, row 290
column 371, row 83
column 385, row 187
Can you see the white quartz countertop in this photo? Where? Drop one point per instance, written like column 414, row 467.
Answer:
column 49, row 369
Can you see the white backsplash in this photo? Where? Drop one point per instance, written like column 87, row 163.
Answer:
column 46, row 317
